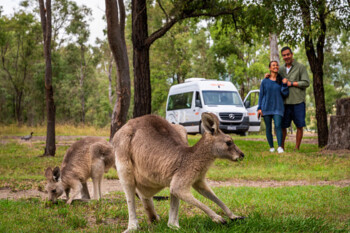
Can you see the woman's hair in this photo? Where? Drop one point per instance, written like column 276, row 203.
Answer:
column 271, row 63
column 279, row 77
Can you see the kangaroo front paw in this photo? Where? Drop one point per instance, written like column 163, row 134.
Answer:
column 219, row 219
column 133, row 227
column 238, row 218
column 174, row 226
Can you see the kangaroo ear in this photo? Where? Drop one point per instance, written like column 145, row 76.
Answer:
column 49, row 174
column 210, row 123
column 56, row 173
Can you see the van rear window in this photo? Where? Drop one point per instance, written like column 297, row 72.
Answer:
column 180, row 101
column 222, row 98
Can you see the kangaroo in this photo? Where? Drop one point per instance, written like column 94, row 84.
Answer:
column 88, row 157
column 152, row 155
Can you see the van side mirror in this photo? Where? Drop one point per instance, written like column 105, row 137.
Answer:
column 247, row 104
column 198, row 103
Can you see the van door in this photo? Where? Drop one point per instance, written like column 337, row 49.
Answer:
column 251, row 104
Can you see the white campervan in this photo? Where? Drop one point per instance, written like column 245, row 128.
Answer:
column 187, row 101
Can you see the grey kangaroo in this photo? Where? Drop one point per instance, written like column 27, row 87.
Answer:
column 88, row 157
column 152, row 155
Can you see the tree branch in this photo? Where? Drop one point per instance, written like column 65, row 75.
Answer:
column 161, row 7
column 160, row 32
column 122, row 18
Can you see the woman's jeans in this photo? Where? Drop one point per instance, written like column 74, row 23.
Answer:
column 268, row 123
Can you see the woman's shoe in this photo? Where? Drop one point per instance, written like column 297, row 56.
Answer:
column 280, row 150
column 272, row 149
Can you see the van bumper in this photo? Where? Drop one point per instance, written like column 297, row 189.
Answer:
column 235, row 127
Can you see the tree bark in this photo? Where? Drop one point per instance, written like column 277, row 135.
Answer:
column 82, row 79
column 316, row 64
column 274, row 55
column 142, row 79
column 45, row 15
column 339, row 128
column 115, row 14
column 110, row 66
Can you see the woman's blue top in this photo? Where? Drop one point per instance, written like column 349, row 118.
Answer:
column 271, row 97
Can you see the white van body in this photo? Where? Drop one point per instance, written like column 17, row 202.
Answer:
column 187, row 101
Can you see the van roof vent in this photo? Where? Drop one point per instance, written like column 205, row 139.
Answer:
column 194, row 79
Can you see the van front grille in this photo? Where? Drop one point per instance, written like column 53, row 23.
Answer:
column 231, row 116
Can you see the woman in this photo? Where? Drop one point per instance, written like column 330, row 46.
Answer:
column 272, row 91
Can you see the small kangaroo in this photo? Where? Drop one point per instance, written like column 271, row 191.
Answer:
column 151, row 155
column 88, row 157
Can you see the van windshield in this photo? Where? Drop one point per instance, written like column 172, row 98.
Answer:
column 222, row 98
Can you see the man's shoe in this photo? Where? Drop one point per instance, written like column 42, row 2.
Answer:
column 280, row 150
column 272, row 149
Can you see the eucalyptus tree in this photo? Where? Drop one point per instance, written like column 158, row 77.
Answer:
column 19, row 51
column 79, row 28
column 241, row 53
column 45, row 15
column 174, row 12
column 115, row 15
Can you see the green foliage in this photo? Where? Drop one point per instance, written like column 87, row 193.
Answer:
column 233, row 47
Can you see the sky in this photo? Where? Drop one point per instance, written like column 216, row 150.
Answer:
column 96, row 25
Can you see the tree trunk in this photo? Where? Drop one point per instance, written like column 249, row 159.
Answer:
column 110, row 66
column 316, row 64
column 45, row 15
column 82, row 79
column 142, row 80
column 115, row 14
column 339, row 128
column 18, row 105
column 274, row 55
column 321, row 114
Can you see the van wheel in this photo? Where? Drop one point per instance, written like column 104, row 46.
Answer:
column 243, row 134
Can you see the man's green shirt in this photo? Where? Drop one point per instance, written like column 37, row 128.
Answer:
column 298, row 74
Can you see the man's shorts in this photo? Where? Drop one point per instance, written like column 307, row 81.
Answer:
column 295, row 113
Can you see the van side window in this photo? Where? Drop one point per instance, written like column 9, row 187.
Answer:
column 180, row 101
column 198, row 101
column 252, row 100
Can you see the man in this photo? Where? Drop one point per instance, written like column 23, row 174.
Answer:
column 294, row 104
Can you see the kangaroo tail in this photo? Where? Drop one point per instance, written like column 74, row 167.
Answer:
column 104, row 151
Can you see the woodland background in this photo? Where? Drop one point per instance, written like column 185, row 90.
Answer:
column 234, row 48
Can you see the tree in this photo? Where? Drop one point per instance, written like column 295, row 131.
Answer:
column 242, row 55
column 45, row 15
column 18, row 52
column 79, row 27
column 115, row 15
column 179, row 11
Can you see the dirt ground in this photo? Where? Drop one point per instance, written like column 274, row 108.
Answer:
column 109, row 186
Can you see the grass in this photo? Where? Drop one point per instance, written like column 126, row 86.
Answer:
column 288, row 209
column 284, row 209
column 21, row 168
column 61, row 130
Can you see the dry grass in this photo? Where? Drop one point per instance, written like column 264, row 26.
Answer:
column 61, row 129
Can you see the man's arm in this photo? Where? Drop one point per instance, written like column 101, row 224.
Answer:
column 304, row 81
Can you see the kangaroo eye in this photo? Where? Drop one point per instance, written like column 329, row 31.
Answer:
column 229, row 143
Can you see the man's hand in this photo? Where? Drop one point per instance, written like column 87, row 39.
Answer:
column 289, row 84
column 259, row 113
column 267, row 75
